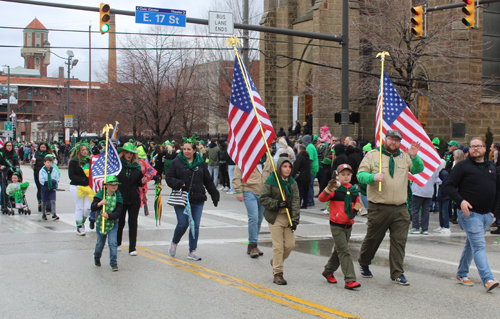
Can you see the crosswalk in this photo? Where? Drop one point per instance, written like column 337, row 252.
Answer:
column 211, row 218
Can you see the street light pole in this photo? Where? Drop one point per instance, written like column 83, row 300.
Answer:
column 69, row 67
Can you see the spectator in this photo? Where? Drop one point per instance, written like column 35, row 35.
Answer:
column 340, row 156
column 281, row 132
column 452, row 146
column 296, row 130
column 494, row 149
column 213, row 153
column 421, row 202
column 302, row 174
column 313, row 156
column 354, row 158
column 326, row 136
column 444, row 200
column 306, row 130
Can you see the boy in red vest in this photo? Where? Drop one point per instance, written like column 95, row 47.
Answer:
column 344, row 205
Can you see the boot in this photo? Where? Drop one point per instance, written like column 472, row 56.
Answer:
column 261, row 253
column 254, row 252
column 278, row 279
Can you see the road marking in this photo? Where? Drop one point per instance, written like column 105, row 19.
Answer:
column 256, row 290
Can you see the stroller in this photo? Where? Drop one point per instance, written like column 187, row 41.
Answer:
column 9, row 202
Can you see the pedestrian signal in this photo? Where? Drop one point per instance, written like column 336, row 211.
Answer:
column 469, row 10
column 105, row 17
column 417, row 21
column 338, row 117
column 354, row 117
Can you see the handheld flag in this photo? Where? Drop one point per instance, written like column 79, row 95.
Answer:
column 158, row 204
column 397, row 116
column 114, row 166
column 115, row 134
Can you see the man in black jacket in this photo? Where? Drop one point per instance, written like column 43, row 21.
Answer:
column 474, row 184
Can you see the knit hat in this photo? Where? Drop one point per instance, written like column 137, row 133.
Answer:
column 367, row 147
column 306, row 139
column 315, row 137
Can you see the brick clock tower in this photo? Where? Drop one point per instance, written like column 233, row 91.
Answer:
column 35, row 38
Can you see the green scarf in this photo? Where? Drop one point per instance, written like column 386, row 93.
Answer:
column 197, row 160
column 85, row 161
column 263, row 159
column 41, row 153
column 271, row 180
column 128, row 167
column 49, row 177
column 348, row 199
column 391, row 159
column 110, row 207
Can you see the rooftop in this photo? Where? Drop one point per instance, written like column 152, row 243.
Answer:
column 36, row 24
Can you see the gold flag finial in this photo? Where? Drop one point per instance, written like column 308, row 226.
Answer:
column 232, row 41
column 106, row 128
column 383, row 54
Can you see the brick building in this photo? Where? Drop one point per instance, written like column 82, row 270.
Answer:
column 317, row 89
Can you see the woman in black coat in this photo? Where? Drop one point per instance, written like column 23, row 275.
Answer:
column 9, row 163
column 37, row 164
column 189, row 172
column 131, row 178
column 302, row 174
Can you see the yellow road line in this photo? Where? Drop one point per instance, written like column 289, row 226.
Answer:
column 256, row 290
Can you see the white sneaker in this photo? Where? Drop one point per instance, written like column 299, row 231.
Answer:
column 363, row 211
column 438, row 229
column 445, row 231
column 133, row 253
column 325, row 212
column 220, row 188
column 225, row 189
column 119, row 248
column 230, row 192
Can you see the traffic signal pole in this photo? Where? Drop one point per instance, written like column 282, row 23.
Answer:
column 344, row 131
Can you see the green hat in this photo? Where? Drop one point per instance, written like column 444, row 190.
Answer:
column 129, row 147
column 453, row 143
column 315, row 137
column 201, row 142
column 327, row 161
column 167, row 142
column 299, row 140
column 111, row 180
column 131, row 141
column 367, row 147
column 435, row 142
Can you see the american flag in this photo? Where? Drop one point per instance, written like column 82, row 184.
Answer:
column 1, row 143
column 96, row 177
column 397, row 116
column 245, row 143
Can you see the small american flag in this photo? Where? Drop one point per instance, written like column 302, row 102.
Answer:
column 245, row 143
column 96, row 177
column 1, row 143
column 397, row 116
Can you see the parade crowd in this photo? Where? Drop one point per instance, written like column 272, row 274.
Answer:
column 464, row 190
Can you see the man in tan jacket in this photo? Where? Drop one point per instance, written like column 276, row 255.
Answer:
column 387, row 208
column 248, row 192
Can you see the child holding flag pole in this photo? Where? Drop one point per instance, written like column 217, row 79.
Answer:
column 276, row 204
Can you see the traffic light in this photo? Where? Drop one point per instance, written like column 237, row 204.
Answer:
column 105, row 17
column 418, row 21
column 354, row 117
column 338, row 117
column 469, row 10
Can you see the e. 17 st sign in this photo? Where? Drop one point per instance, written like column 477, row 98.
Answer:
column 171, row 17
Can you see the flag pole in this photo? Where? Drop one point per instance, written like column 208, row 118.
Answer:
column 106, row 129
column 382, row 59
column 233, row 41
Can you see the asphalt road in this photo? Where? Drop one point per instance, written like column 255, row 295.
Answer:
column 46, row 271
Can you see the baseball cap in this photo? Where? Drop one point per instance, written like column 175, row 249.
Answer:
column 394, row 133
column 453, row 143
column 342, row 167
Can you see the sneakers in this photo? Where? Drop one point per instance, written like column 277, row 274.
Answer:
column 44, row 217
column 330, row 278
column 220, row 188
column 114, row 267
column 231, row 192
column 278, row 279
column 363, row 212
column 424, row 232
column 172, row 249
column 92, row 225
column 438, row 229
column 491, row 284
column 133, row 253
column 365, row 271
column 401, row 280
column 55, row 217
column 445, row 231
column 414, row 231
column 225, row 189
column 352, row 284
column 465, row 281
column 194, row 255
column 97, row 261
column 80, row 230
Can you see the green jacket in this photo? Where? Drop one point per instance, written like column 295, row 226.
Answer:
column 270, row 195
column 313, row 156
column 213, row 156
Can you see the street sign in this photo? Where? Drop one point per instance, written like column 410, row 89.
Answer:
column 170, row 17
column 68, row 120
column 220, row 22
column 8, row 126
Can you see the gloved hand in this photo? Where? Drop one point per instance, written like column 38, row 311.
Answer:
column 355, row 210
column 333, row 185
column 283, row 204
column 216, row 202
column 294, row 226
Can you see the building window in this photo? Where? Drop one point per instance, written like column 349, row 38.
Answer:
column 41, row 92
column 458, row 130
column 38, row 35
column 34, row 92
column 29, row 94
column 29, row 35
column 46, row 96
column 58, row 92
column 491, row 47
column 37, row 61
column 38, row 45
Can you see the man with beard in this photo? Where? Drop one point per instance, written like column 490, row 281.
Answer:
column 475, row 185
column 387, row 208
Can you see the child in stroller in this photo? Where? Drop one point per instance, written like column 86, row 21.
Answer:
column 16, row 194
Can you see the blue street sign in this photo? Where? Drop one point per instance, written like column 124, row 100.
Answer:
column 171, row 17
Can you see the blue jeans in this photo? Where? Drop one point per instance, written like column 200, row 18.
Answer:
column 416, row 203
column 230, row 170
column 112, row 243
column 475, row 226
column 364, row 200
column 214, row 172
column 444, row 217
column 311, row 191
column 255, row 212
column 183, row 225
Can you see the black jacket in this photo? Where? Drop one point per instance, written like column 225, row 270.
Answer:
column 178, row 175
column 340, row 157
column 354, row 157
column 477, row 183
column 442, row 195
column 280, row 133
column 296, row 131
column 39, row 162
column 302, row 165
column 76, row 174
column 129, row 187
column 116, row 212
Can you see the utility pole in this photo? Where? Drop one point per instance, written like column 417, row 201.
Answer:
column 245, row 35
column 8, row 96
column 345, row 69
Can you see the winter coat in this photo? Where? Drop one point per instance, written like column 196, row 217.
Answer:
column 43, row 176
column 302, row 165
column 313, row 154
column 255, row 181
column 284, row 148
column 270, row 196
column 340, row 156
column 442, row 195
column 177, row 175
column 76, row 175
column 296, row 130
column 39, row 161
column 213, row 154
column 280, row 133
column 338, row 215
column 115, row 215
column 354, row 158
column 326, row 136
column 129, row 187
column 168, row 156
